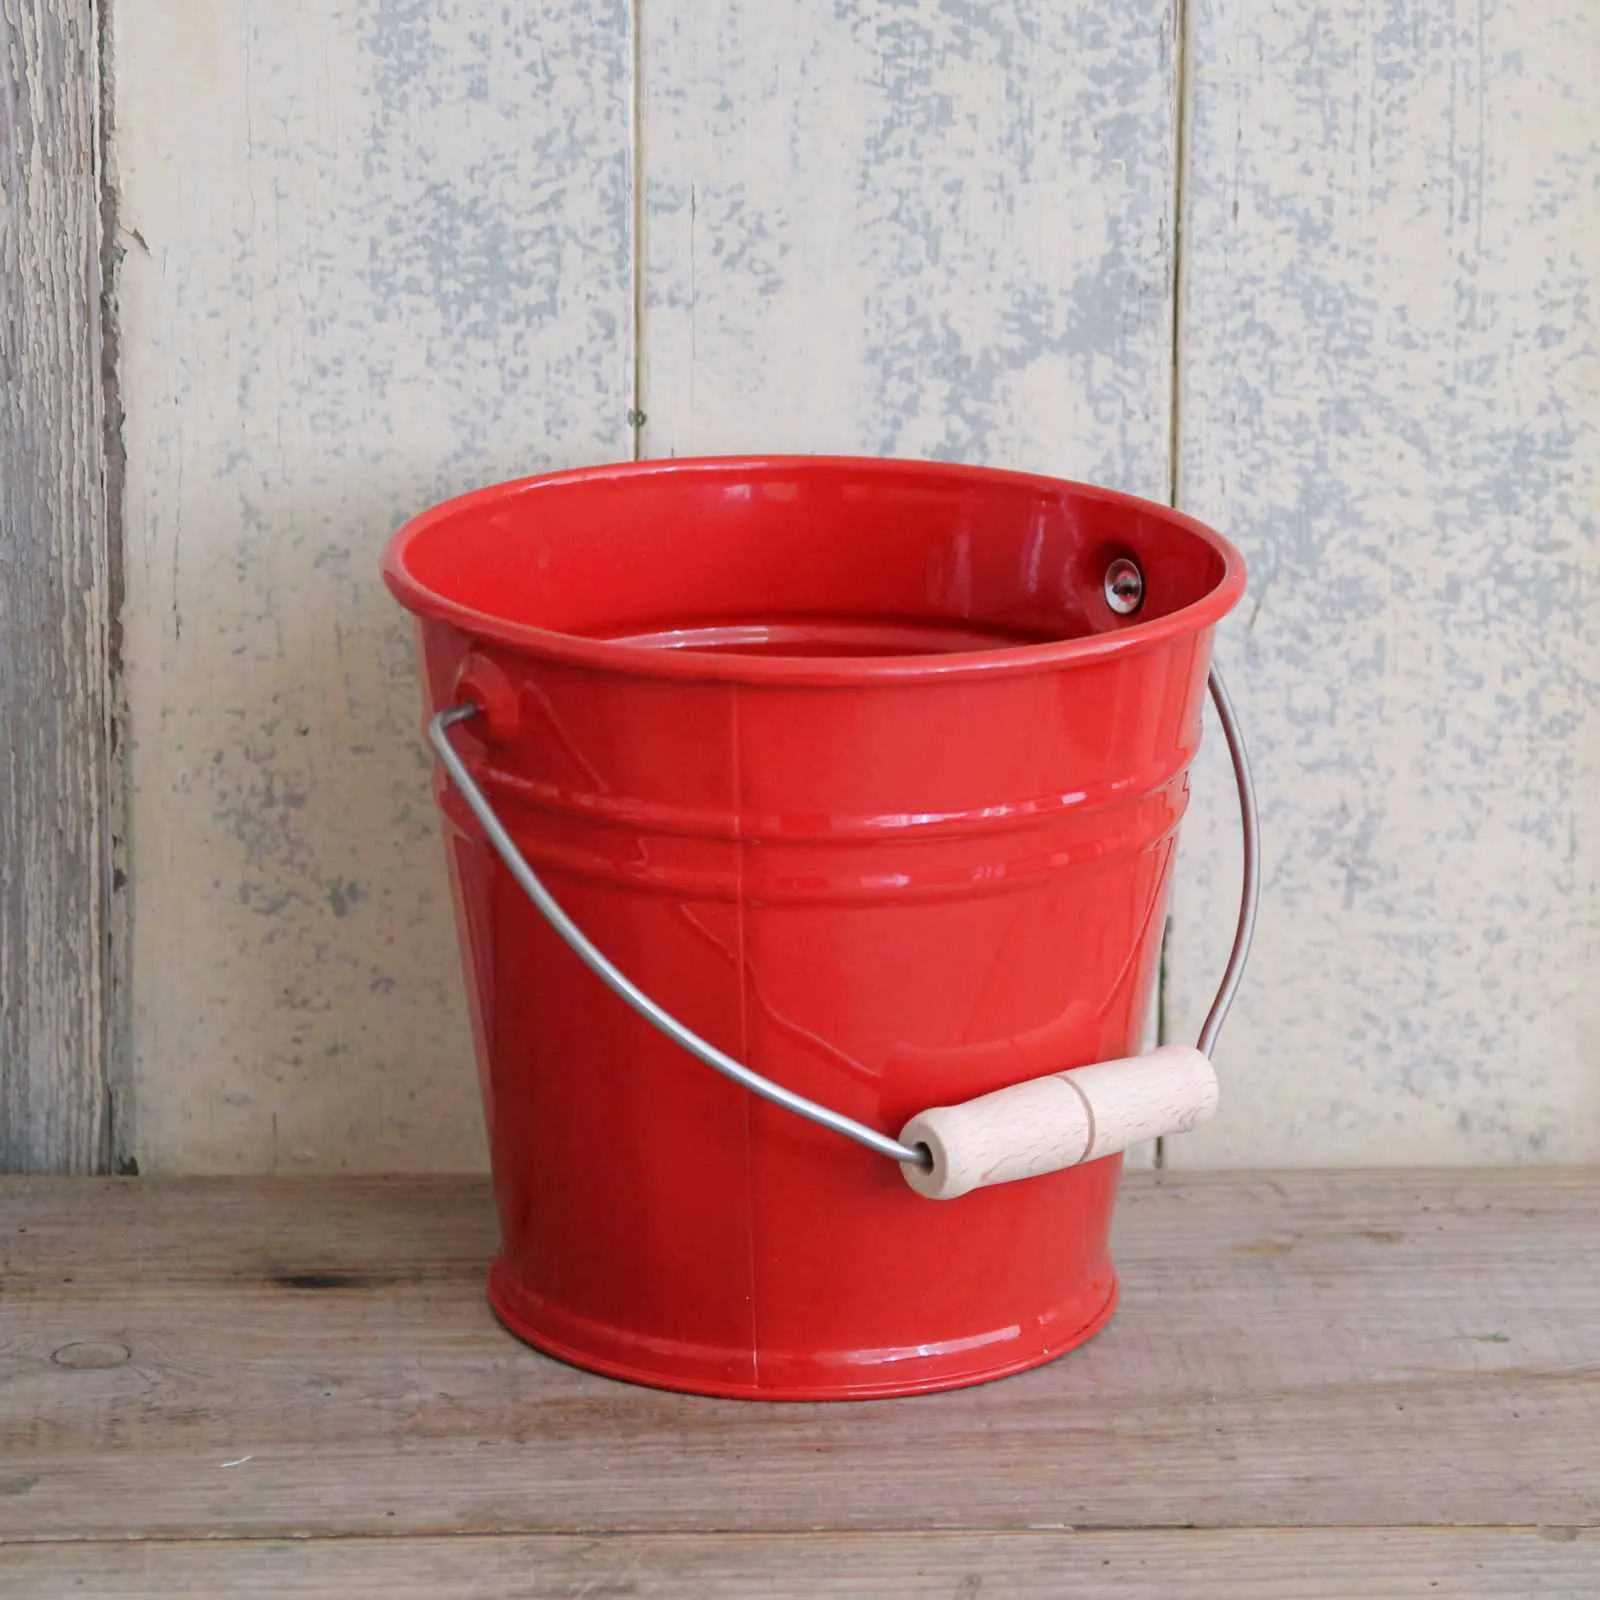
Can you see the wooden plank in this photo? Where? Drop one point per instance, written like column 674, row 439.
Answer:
column 55, row 598
column 310, row 1358
column 1454, row 1564
column 934, row 231
column 911, row 231
column 1391, row 399
column 374, row 255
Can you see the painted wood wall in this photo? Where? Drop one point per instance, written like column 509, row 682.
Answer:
column 376, row 251
column 1389, row 394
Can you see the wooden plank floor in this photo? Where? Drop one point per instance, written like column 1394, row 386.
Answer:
column 1348, row 1384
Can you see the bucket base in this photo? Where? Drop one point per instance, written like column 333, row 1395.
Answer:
column 690, row 1369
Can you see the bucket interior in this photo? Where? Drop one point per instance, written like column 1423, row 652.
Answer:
column 802, row 557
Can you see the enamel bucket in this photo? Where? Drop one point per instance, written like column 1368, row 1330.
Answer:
column 861, row 781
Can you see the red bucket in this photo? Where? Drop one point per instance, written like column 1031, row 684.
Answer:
column 868, row 775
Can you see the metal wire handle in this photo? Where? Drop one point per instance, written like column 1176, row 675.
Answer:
column 654, row 1013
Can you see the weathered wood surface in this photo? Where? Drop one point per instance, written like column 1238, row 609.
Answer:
column 1276, row 1564
column 308, row 1358
column 1390, row 396
column 934, row 230
column 55, row 599
column 375, row 254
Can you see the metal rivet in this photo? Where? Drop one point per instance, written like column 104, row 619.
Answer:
column 1124, row 587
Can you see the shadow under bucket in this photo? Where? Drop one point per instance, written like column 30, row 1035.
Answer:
column 865, row 776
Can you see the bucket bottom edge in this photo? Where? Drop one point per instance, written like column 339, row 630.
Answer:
column 525, row 1317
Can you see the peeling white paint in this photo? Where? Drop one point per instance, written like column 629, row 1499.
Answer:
column 383, row 251
column 911, row 230
column 384, row 258
column 1391, row 399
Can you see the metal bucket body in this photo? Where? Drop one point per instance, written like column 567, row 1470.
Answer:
column 853, row 767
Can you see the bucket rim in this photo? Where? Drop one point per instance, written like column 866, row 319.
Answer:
column 618, row 656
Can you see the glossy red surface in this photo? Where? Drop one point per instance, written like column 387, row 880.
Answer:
column 850, row 765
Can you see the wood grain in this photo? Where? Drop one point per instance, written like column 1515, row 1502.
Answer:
column 1390, row 397
column 1454, row 1564
column 55, row 599
column 309, row 1358
column 375, row 254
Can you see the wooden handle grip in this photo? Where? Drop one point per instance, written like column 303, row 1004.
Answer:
column 1049, row 1123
